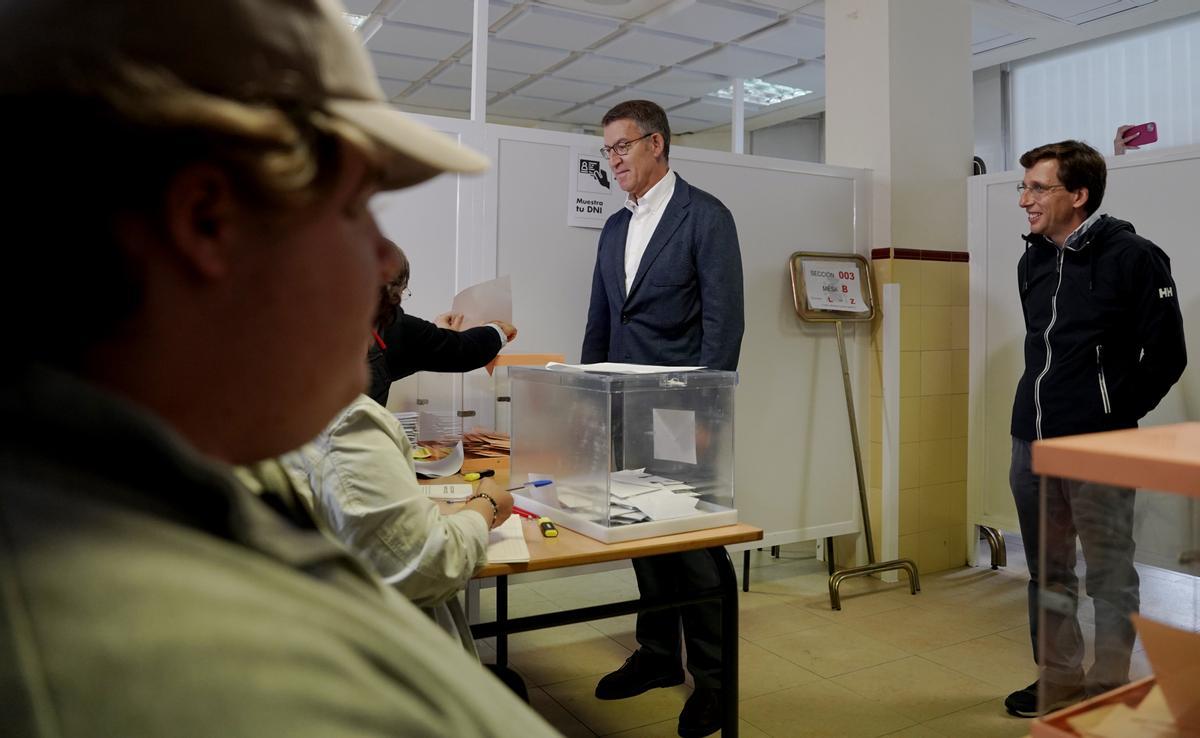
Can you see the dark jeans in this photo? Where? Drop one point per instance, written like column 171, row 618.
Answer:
column 658, row 630
column 1101, row 516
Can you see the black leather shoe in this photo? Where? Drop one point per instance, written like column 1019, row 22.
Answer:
column 701, row 714
column 640, row 672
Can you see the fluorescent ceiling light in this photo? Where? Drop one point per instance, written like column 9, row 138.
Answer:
column 354, row 19
column 757, row 92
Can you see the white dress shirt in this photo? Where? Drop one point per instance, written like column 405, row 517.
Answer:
column 647, row 212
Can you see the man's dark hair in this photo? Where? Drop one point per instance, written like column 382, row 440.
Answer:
column 1079, row 165
column 647, row 116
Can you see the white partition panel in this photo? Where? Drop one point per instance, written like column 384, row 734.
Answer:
column 795, row 472
column 1156, row 192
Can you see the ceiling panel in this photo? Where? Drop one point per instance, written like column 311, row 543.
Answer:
column 569, row 30
column 556, row 88
column 439, row 96
column 664, row 100
column 627, row 10
column 815, row 10
column 713, row 20
column 605, row 70
column 360, row 7
column 653, row 47
column 807, row 76
column 981, row 31
column 1104, row 12
column 996, row 43
column 713, row 112
column 788, row 4
column 516, row 106
column 396, row 66
column 396, row 38
column 455, row 15
column 677, row 81
column 734, row 61
column 516, row 57
column 588, row 115
column 682, row 124
column 393, row 87
column 459, row 75
column 1062, row 8
column 792, row 38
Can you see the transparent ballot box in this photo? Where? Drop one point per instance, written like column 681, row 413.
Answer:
column 1118, row 594
column 629, row 455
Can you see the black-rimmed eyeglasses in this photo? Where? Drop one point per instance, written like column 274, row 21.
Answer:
column 1038, row 191
column 621, row 147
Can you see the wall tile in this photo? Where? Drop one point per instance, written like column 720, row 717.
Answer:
column 876, row 360
column 935, row 464
column 908, row 273
column 960, row 327
column 910, row 465
column 875, row 419
column 934, row 548
column 935, row 373
column 958, row 459
column 956, row 554
column 937, row 417
column 910, row 548
column 910, row 511
column 910, row 328
column 960, row 375
column 935, row 328
column 875, row 473
column 910, row 419
column 960, row 415
column 960, row 288
column 910, row 373
column 937, row 282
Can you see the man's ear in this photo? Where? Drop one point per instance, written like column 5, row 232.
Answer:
column 1080, row 197
column 200, row 217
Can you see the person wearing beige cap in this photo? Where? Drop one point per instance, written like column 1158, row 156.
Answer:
column 190, row 270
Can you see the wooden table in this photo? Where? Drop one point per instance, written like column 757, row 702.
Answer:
column 1163, row 457
column 574, row 549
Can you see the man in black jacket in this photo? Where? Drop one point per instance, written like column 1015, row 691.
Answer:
column 1103, row 344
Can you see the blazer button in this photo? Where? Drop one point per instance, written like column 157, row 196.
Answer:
column 624, row 318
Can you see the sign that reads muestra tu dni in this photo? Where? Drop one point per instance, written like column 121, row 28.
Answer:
column 593, row 193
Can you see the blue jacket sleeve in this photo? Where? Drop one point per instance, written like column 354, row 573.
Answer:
column 719, row 271
column 1160, row 326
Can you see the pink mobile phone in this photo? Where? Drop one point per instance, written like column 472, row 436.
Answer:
column 1146, row 133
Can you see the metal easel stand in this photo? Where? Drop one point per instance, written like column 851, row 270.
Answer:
column 837, row 576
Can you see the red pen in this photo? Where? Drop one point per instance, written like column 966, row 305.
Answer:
column 524, row 513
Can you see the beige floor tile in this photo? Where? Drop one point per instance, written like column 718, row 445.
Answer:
column 561, row 654
column 1020, row 634
column 669, row 729
column 558, row 717
column 917, row 688
column 621, row 629
column 820, row 710
column 916, row 731
column 762, row 672
column 763, row 616
column 1004, row 663
column 987, row 720
column 611, row 716
column 832, row 650
column 918, row 630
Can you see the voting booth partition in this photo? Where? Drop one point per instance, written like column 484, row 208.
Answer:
column 1156, row 192
column 794, row 470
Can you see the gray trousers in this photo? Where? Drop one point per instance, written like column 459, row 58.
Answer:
column 658, row 630
column 1101, row 517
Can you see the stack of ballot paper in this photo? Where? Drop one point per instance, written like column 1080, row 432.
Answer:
column 635, row 497
column 480, row 442
column 408, row 422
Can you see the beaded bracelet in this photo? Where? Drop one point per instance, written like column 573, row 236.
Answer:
column 495, row 507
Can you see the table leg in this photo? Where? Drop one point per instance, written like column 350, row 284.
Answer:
column 502, row 622
column 729, row 640
column 746, row 570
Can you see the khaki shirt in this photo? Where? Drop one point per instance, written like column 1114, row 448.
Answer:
column 145, row 592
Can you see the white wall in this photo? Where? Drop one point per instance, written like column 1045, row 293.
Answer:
column 989, row 118
column 798, row 140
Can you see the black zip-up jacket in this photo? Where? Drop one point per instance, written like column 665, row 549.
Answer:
column 1103, row 332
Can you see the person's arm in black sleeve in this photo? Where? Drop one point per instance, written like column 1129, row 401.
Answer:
column 416, row 345
column 1159, row 324
column 596, row 334
column 722, row 302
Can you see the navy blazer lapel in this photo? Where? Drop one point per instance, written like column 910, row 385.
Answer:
column 674, row 214
column 615, row 258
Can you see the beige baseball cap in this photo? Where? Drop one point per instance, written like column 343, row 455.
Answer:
column 286, row 52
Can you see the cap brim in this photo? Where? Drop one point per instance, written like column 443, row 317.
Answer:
column 416, row 152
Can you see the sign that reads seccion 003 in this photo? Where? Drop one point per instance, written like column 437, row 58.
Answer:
column 834, row 285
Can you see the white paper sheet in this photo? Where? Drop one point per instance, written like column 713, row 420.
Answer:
column 443, row 467
column 451, row 492
column 615, row 368
column 485, row 302
column 664, row 505
column 675, row 435
column 506, row 543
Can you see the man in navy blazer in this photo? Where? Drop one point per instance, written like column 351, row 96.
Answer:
column 667, row 289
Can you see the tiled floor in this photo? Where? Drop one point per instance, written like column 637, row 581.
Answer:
column 887, row 664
